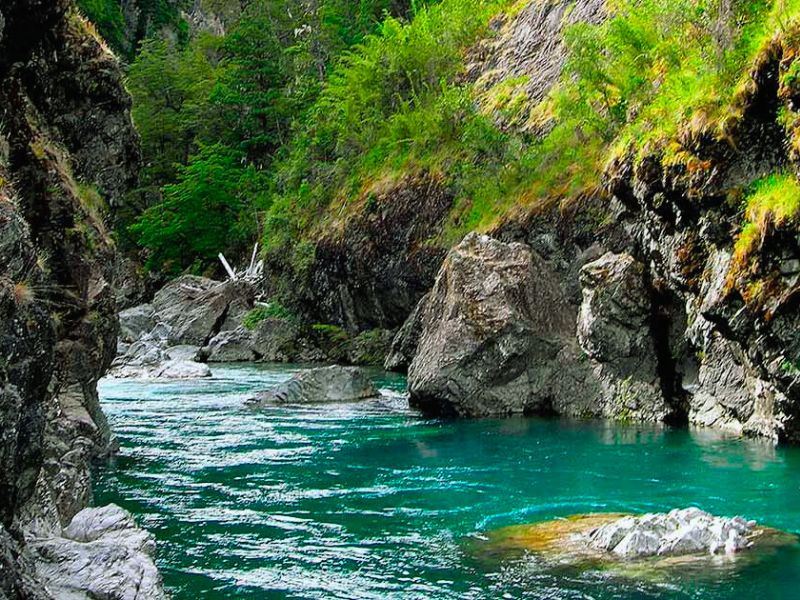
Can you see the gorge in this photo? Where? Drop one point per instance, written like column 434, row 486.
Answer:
column 520, row 210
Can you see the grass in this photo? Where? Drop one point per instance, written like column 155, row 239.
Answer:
column 23, row 293
column 654, row 73
column 772, row 203
column 274, row 310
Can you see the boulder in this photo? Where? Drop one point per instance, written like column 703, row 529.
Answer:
column 181, row 369
column 101, row 554
column 283, row 340
column 679, row 532
column 230, row 346
column 404, row 344
column 182, row 352
column 616, row 329
column 323, row 385
column 195, row 308
column 136, row 322
column 497, row 337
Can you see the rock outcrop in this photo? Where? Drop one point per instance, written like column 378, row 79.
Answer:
column 497, row 337
column 676, row 533
column 68, row 154
column 320, row 386
column 370, row 271
column 648, row 291
column 101, row 554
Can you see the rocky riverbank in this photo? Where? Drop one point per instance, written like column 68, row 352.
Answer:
column 68, row 154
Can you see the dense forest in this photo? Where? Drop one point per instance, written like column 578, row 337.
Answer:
column 258, row 130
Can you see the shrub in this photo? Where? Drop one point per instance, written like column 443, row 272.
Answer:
column 273, row 311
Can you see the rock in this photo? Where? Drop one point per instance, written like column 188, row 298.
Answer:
column 679, row 532
column 616, row 329
column 282, row 340
column 230, row 346
column 497, row 337
column 182, row 352
column 369, row 347
column 323, row 385
column 181, row 369
column 102, row 554
column 404, row 345
column 195, row 308
column 136, row 322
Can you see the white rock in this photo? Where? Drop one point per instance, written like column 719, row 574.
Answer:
column 684, row 531
column 182, row 369
column 102, row 554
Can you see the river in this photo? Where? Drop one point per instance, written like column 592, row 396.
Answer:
column 370, row 500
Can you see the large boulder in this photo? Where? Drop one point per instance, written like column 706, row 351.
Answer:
column 497, row 337
column 235, row 345
column 616, row 329
column 196, row 308
column 135, row 322
column 100, row 554
column 323, row 385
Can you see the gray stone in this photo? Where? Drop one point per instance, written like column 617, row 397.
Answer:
column 195, row 308
column 615, row 330
column 182, row 352
column 322, row 385
column 230, row 346
column 181, row 369
column 135, row 322
column 497, row 337
column 679, row 532
column 101, row 554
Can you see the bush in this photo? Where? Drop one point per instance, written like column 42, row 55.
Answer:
column 273, row 311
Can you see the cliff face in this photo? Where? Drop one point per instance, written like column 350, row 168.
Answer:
column 68, row 153
column 674, row 320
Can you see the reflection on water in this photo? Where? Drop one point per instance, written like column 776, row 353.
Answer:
column 368, row 500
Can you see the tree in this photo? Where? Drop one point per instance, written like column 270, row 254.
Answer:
column 213, row 207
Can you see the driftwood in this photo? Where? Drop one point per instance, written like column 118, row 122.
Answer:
column 252, row 273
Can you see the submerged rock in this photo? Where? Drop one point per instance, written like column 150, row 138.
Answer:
column 326, row 384
column 650, row 547
column 101, row 554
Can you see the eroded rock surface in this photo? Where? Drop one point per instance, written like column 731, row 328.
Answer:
column 679, row 532
column 497, row 337
column 68, row 156
column 323, row 385
column 101, row 554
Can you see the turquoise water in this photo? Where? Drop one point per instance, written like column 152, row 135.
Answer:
column 370, row 500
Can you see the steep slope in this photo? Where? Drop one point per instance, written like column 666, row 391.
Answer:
column 67, row 156
column 674, row 300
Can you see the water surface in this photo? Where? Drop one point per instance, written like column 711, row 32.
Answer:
column 369, row 500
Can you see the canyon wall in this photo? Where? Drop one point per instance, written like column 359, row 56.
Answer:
column 68, row 155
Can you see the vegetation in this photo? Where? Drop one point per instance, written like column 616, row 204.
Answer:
column 293, row 115
column 273, row 311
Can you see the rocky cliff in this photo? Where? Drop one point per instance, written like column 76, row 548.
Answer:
column 68, row 153
column 674, row 313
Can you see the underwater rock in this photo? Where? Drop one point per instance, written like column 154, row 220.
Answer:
column 326, row 384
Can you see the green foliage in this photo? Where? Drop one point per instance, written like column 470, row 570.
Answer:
column 273, row 311
column 388, row 103
column 246, row 91
column 170, row 87
column 772, row 201
column 213, row 206
column 108, row 18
